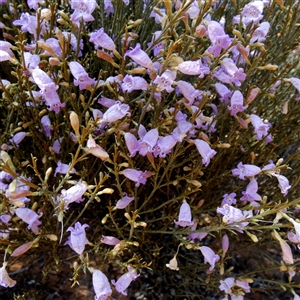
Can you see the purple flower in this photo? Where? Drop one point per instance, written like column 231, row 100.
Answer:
column 232, row 214
column 284, row 184
column 101, row 285
column 148, row 141
column 33, row 4
column 110, row 240
column 139, row 56
column 124, row 281
column 132, row 144
column 193, row 68
column 82, row 78
column 27, row 22
column 251, row 193
column 158, row 46
column 47, row 127
column 252, row 12
column 101, row 39
column 74, row 193
column 181, row 130
column 165, row 81
column 259, row 35
column 6, row 47
column 63, row 168
column 132, row 83
column 83, row 10
column 218, row 38
column 108, row 7
column 245, row 170
column 30, row 217
column 228, row 199
column 158, row 17
column 197, row 235
column 226, row 285
column 77, row 239
column 223, row 91
column 18, row 138
column 205, row 151
column 74, row 42
column 260, row 128
column 193, row 10
column 137, row 176
column 236, row 74
column 185, row 215
column 124, row 202
column 116, row 112
column 5, row 280
column 57, row 145
column 209, row 257
column 295, row 82
column 188, row 91
column 164, row 146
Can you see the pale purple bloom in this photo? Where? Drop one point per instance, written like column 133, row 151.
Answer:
column 132, row 83
column 74, row 42
column 165, row 80
column 228, row 199
column 101, row 39
column 4, row 56
column 82, row 78
column 132, row 144
column 108, row 7
column 259, row 35
column 245, row 170
column 30, row 217
column 116, row 112
column 164, row 146
column 5, row 280
column 243, row 284
column 5, row 219
column 110, row 240
column 193, row 68
column 193, row 10
column 27, row 22
column 124, row 202
column 295, row 82
column 197, row 235
column 18, row 138
column 63, row 168
column 232, row 214
column 137, row 176
column 218, row 38
column 252, row 12
column 226, row 285
column 209, row 257
column 225, row 243
column 101, row 285
column 205, row 151
column 77, row 239
column 33, row 4
column 284, row 184
column 237, row 74
column 260, row 127
column 6, row 47
column 47, row 127
column 83, row 10
column 158, row 46
column 124, row 281
column 54, row 44
column 223, row 91
column 185, row 215
column 181, row 130
column 148, row 141
column 188, row 91
column 106, row 102
column 57, row 145
column 158, row 17
column 251, row 193
column 74, row 193
column 139, row 56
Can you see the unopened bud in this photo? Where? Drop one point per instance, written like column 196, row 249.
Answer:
column 54, row 61
column 74, row 122
column 268, row 67
column 104, row 220
column 46, row 14
column 127, row 216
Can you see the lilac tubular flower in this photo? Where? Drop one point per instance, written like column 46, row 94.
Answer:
column 158, row 17
column 245, row 170
column 188, row 91
column 236, row 74
column 148, row 141
column 101, row 285
column 116, row 112
column 54, row 44
column 124, row 281
column 209, row 257
column 47, row 127
column 181, row 130
column 226, row 285
column 33, row 4
column 185, row 215
column 165, row 80
column 110, row 240
column 27, row 22
column 223, row 91
column 6, row 47
column 132, row 83
column 252, row 12
column 157, row 47
column 139, row 56
column 82, row 78
column 30, row 217
column 74, row 193
column 193, row 68
column 83, row 10
column 164, row 146
column 101, row 39
column 284, row 184
column 251, row 193
column 137, row 176
column 5, row 280
column 74, row 42
column 260, row 127
column 194, row 10
column 18, row 138
column 259, row 35
column 57, row 145
column 295, row 82
column 106, row 102
column 218, row 38
column 228, row 199
column 132, row 144
column 77, row 239
column 124, row 202
column 63, row 168
column 108, row 7
column 205, row 151
column 197, row 235
column 232, row 214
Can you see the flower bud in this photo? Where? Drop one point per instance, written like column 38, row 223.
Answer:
column 74, row 122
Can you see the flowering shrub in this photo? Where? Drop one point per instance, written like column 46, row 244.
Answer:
column 156, row 138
